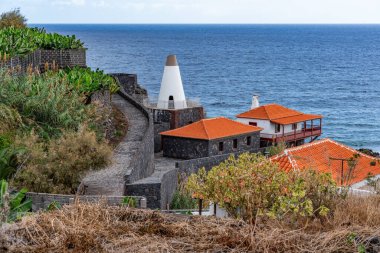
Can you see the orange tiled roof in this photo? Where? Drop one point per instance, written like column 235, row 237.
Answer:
column 277, row 114
column 295, row 119
column 316, row 155
column 209, row 129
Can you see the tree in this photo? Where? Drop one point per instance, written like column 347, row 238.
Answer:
column 252, row 185
column 12, row 18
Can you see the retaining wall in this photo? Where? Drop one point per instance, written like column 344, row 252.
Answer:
column 142, row 163
column 43, row 200
column 129, row 84
column 39, row 58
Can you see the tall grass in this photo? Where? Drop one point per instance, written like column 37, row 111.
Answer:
column 352, row 227
column 46, row 103
column 49, row 136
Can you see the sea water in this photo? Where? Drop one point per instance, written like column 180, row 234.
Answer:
column 332, row 70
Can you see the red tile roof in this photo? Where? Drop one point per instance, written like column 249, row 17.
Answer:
column 209, row 129
column 278, row 114
column 316, row 155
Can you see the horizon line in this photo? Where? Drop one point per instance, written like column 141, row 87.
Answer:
column 204, row 23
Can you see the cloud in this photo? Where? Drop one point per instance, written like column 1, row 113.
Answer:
column 197, row 11
column 70, row 2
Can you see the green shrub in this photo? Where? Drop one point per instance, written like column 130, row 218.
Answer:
column 86, row 81
column 12, row 18
column 21, row 41
column 182, row 200
column 48, row 132
column 12, row 206
column 58, row 166
column 129, row 202
column 252, row 185
column 44, row 103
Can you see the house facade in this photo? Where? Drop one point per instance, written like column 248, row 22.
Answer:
column 346, row 165
column 210, row 137
column 281, row 124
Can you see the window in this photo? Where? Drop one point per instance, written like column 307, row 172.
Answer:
column 235, row 143
column 252, row 123
column 221, row 146
column 249, row 140
column 171, row 102
column 294, row 126
column 277, row 128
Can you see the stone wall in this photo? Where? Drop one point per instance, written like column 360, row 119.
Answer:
column 43, row 200
column 165, row 120
column 241, row 144
column 40, row 58
column 129, row 84
column 151, row 191
column 169, row 184
column 142, row 163
column 184, row 148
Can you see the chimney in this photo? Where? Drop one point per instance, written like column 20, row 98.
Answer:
column 255, row 102
column 172, row 95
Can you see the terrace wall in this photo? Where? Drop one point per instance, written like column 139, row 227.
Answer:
column 42, row 58
column 142, row 163
column 43, row 200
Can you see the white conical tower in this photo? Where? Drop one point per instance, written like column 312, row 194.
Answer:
column 172, row 95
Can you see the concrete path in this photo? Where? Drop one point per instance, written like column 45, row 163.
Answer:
column 110, row 181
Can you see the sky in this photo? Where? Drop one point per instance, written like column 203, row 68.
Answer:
column 198, row 11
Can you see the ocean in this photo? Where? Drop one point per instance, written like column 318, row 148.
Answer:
column 332, row 70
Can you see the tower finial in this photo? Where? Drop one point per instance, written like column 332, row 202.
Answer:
column 171, row 60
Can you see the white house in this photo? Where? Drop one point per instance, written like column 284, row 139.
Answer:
column 281, row 124
column 172, row 95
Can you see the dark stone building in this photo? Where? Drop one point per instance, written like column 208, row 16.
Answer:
column 210, row 137
column 169, row 119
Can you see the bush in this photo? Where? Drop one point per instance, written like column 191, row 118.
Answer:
column 21, row 41
column 12, row 206
column 45, row 103
column 12, row 18
column 87, row 81
column 58, row 167
column 181, row 200
column 251, row 185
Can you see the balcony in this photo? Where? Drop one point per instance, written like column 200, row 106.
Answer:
column 308, row 132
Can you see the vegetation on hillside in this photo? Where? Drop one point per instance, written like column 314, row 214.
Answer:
column 12, row 206
column 21, row 41
column 50, row 136
column 87, row 81
column 12, row 18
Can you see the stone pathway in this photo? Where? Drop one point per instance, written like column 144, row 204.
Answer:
column 162, row 165
column 110, row 181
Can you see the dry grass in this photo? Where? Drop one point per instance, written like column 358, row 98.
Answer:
column 355, row 225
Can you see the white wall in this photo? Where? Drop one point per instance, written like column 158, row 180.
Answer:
column 269, row 128
column 171, row 85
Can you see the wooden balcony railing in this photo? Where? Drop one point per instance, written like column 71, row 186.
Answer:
column 295, row 135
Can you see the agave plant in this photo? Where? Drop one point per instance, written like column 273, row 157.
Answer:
column 12, row 206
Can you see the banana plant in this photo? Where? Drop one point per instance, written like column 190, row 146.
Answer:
column 21, row 41
column 13, row 206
